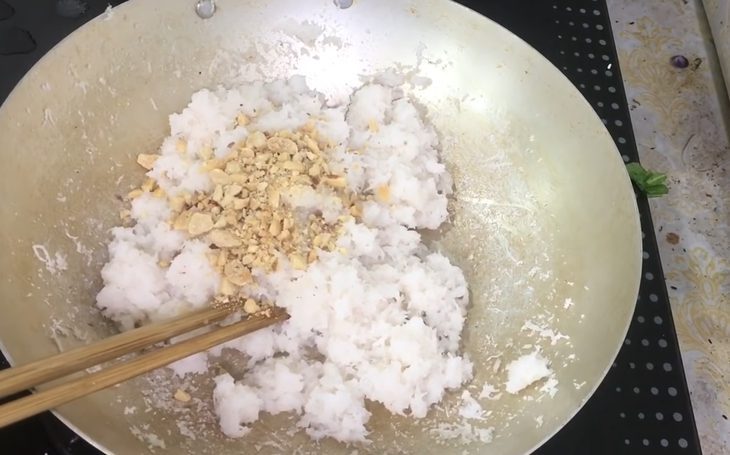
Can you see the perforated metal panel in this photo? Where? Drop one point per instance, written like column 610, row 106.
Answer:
column 643, row 405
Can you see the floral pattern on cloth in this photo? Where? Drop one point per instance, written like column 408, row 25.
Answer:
column 679, row 111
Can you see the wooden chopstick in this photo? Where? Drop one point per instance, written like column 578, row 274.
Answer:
column 69, row 391
column 26, row 376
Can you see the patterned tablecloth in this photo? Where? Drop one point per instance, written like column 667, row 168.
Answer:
column 680, row 116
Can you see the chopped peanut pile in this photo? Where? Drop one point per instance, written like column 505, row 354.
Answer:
column 246, row 219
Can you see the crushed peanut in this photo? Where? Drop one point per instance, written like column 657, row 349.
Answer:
column 382, row 193
column 200, row 223
column 146, row 160
column 182, row 396
column 245, row 217
column 373, row 126
column 250, row 306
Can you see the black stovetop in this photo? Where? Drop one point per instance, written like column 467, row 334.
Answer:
column 642, row 406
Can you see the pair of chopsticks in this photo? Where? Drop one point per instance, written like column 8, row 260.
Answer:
column 76, row 360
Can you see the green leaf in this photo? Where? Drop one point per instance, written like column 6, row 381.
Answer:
column 656, row 179
column 651, row 183
column 656, row 190
column 636, row 172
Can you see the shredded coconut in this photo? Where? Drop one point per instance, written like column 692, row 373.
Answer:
column 525, row 371
column 54, row 264
column 470, row 408
column 462, row 432
column 489, row 392
column 545, row 332
column 375, row 317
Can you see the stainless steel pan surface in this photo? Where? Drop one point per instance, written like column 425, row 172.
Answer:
column 544, row 223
